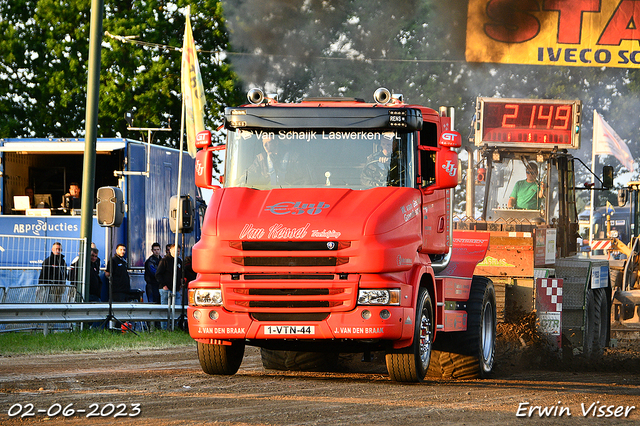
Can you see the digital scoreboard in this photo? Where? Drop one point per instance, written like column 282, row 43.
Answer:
column 534, row 123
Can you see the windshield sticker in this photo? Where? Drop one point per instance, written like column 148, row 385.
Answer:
column 309, row 135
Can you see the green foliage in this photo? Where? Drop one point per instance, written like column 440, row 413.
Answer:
column 17, row 343
column 44, row 50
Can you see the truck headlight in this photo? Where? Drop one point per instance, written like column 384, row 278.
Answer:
column 205, row 297
column 379, row 297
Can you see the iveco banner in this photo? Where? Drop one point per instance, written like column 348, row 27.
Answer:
column 589, row 33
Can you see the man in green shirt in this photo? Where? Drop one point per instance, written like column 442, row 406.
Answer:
column 527, row 193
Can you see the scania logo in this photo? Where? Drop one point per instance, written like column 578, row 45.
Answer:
column 297, row 208
column 331, row 245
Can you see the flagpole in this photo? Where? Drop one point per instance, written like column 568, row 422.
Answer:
column 593, row 178
column 178, row 221
column 191, row 87
column 178, row 212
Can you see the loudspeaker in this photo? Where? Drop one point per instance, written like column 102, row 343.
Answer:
column 110, row 206
column 182, row 209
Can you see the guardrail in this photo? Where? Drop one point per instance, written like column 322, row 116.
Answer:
column 14, row 313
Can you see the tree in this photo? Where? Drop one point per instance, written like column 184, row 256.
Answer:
column 44, row 56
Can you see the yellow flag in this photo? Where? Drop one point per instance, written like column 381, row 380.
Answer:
column 192, row 88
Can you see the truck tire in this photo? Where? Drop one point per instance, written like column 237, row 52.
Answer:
column 470, row 354
column 596, row 327
column 616, row 276
column 221, row 359
column 298, row 361
column 411, row 364
column 450, row 365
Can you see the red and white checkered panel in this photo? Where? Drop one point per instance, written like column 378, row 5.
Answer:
column 550, row 294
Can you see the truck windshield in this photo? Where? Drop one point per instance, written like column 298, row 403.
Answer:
column 265, row 159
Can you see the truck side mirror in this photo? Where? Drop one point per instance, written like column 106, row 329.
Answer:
column 439, row 168
column 607, row 177
column 446, row 169
column 204, row 166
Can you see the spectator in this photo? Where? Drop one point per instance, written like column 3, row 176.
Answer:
column 54, row 274
column 189, row 274
column 28, row 191
column 95, row 283
column 118, row 275
column 72, row 199
column 150, row 268
column 164, row 275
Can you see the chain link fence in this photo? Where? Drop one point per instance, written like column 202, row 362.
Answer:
column 40, row 270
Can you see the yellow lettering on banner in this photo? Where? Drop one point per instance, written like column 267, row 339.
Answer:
column 588, row 33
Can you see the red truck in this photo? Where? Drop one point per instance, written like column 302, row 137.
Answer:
column 333, row 233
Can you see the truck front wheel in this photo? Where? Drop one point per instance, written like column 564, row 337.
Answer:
column 411, row 364
column 221, row 359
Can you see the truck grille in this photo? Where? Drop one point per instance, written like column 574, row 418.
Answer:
column 287, row 248
column 289, row 261
column 290, row 245
column 303, row 294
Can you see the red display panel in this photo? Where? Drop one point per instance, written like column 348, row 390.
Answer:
column 528, row 122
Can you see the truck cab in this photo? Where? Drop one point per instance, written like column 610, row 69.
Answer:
column 333, row 233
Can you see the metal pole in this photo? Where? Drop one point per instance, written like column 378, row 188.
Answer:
column 91, row 130
column 471, row 188
column 178, row 224
column 593, row 181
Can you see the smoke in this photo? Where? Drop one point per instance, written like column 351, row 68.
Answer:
column 320, row 48
column 415, row 47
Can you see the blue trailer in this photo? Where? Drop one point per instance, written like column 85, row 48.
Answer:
column 146, row 173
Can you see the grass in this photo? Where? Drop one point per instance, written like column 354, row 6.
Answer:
column 21, row 343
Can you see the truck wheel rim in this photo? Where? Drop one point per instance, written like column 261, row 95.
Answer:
column 487, row 333
column 425, row 339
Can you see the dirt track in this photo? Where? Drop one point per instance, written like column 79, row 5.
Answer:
column 170, row 388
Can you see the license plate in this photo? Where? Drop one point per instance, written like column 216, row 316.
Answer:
column 290, row 329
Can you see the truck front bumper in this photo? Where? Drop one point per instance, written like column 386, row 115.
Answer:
column 364, row 322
